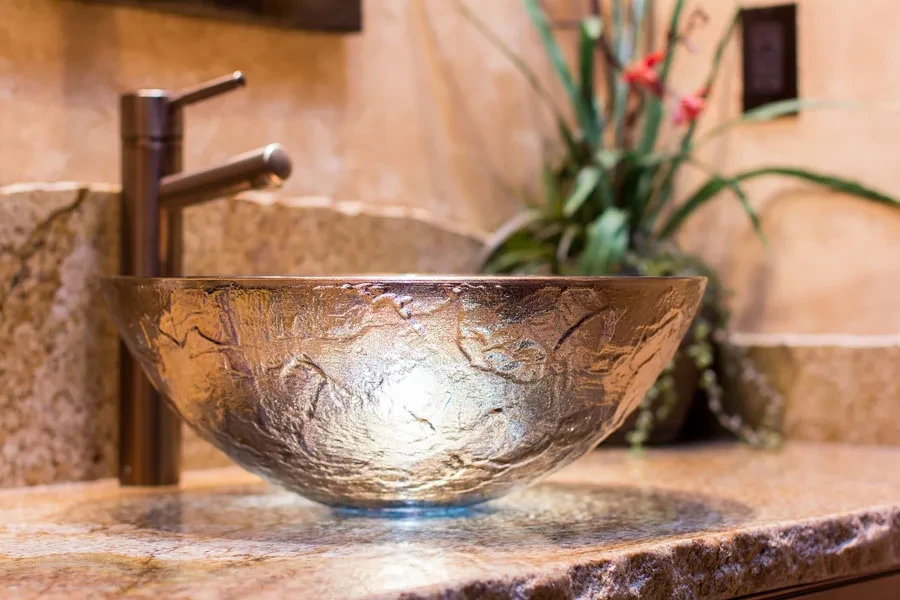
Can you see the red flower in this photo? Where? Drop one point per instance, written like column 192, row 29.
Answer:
column 690, row 106
column 642, row 74
column 654, row 58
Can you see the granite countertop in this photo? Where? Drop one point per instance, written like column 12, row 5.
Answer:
column 711, row 521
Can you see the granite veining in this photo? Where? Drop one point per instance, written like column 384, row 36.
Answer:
column 713, row 521
column 58, row 348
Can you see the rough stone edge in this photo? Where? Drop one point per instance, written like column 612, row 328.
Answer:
column 353, row 209
column 721, row 564
column 59, row 186
column 268, row 198
column 812, row 340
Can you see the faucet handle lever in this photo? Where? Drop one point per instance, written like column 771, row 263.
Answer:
column 208, row 90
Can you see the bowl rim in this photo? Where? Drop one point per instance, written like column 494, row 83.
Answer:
column 264, row 280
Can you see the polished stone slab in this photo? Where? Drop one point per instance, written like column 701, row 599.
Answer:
column 713, row 521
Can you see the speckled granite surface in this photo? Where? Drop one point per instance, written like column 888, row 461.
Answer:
column 58, row 348
column 704, row 522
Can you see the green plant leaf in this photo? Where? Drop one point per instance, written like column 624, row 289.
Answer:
column 585, row 184
column 530, row 76
column 712, row 187
column 558, row 62
column 738, row 191
column 590, row 30
column 547, row 231
column 568, row 137
column 535, row 267
column 663, row 195
column 608, row 159
column 620, row 109
column 770, row 111
column 625, row 48
column 638, row 13
column 635, row 179
column 513, row 226
column 565, row 242
column 831, row 182
column 618, row 18
column 773, row 110
column 763, row 113
column 653, row 116
column 607, row 242
column 519, row 248
column 552, row 193
column 653, row 159
column 506, row 262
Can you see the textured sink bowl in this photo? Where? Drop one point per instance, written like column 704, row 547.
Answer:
column 396, row 392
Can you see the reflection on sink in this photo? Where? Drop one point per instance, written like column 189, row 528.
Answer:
column 256, row 540
column 546, row 518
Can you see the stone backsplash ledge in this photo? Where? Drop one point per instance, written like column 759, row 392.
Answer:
column 833, row 388
column 58, row 349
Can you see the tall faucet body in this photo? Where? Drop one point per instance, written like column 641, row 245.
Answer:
column 153, row 193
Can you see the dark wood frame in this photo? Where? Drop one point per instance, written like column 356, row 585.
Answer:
column 338, row 16
column 873, row 586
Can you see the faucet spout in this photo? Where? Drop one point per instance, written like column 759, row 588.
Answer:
column 154, row 190
column 268, row 166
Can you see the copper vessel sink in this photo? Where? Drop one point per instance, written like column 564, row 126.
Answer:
column 403, row 392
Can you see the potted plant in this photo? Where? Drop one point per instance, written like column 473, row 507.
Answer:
column 610, row 205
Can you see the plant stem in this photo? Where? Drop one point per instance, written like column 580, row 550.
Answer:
column 520, row 65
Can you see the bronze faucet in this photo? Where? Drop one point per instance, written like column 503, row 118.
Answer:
column 154, row 190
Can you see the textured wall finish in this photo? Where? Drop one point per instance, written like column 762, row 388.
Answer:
column 836, row 388
column 417, row 110
column 58, row 401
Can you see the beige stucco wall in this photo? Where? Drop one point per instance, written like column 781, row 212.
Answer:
column 419, row 111
column 833, row 263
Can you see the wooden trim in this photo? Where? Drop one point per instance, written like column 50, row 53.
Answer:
column 313, row 15
column 875, row 586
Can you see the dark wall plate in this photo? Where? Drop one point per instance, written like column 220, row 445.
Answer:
column 769, row 42
column 314, row 15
